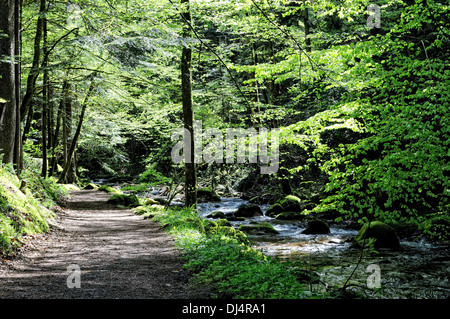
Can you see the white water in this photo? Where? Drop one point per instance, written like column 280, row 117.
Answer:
column 290, row 239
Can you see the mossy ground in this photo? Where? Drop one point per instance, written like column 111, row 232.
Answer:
column 25, row 206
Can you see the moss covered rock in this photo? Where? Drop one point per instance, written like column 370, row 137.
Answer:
column 140, row 210
column 258, row 228
column 230, row 232
column 149, row 202
column 383, row 235
column 317, row 226
column 208, row 225
column 124, row 200
column 290, row 216
column 109, row 189
column 223, row 222
column 206, row 194
column 289, row 203
column 217, row 215
column 274, row 210
column 248, row 211
column 91, row 186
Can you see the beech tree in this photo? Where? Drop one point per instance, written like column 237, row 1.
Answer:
column 8, row 79
column 188, row 111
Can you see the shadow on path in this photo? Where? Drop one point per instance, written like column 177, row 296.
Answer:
column 120, row 255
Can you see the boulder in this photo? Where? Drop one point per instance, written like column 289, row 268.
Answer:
column 290, row 216
column 289, row 203
column 160, row 200
column 274, row 210
column 223, row 222
column 90, row 186
column 149, row 202
column 258, row 228
column 317, row 226
column 233, row 218
column 383, row 234
column 124, row 200
column 248, row 211
column 109, row 189
column 207, row 195
column 140, row 210
column 208, row 225
column 216, row 215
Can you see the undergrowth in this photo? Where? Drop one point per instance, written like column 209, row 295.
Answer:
column 26, row 205
column 222, row 258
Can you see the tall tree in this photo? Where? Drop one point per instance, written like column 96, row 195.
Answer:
column 71, row 150
column 70, row 175
column 18, row 151
column 8, row 91
column 26, row 107
column 45, row 102
column 188, row 111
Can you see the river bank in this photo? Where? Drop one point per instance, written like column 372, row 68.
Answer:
column 418, row 270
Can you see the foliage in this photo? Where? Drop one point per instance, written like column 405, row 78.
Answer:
column 400, row 172
column 152, row 177
column 233, row 268
column 24, row 210
column 362, row 112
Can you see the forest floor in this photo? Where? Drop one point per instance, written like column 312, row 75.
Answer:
column 120, row 256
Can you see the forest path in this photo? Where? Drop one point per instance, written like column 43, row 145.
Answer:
column 119, row 254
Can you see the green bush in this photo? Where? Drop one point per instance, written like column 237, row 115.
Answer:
column 221, row 257
column 152, row 177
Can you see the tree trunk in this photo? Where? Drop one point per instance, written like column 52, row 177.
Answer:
column 274, row 88
column 18, row 153
column 67, row 134
column 34, row 72
column 67, row 166
column 8, row 109
column 188, row 112
column 45, row 103
column 307, row 29
column 65, row 90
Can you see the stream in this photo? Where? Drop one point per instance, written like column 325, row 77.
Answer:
column 419, row 270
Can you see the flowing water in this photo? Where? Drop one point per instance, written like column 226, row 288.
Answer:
column 419, row 270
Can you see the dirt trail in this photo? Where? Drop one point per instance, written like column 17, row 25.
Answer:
column 120, row 255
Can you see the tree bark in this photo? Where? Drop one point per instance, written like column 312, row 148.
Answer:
column 307, row 29
column 65, row 90
column 18, row 151
column 8, row 109
column 45, row 103
column 71, row 151
column 67, row 134
column 188, row 112
column 34, row 72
